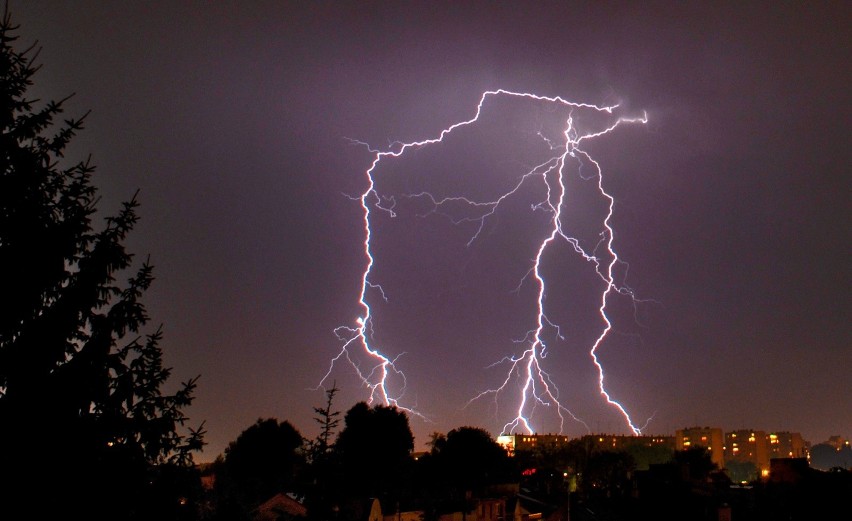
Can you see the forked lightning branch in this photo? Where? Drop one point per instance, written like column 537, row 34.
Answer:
column 525, row 372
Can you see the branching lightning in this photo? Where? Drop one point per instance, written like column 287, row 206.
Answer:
column 537, row 389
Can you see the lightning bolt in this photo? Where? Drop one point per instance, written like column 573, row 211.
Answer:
column 537, row 388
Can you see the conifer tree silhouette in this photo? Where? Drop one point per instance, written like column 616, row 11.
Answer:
column 84, row 425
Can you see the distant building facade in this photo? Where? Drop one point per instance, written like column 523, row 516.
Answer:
column 741, row 446
column 748, row 446
column 711, row 438
column 838, row 442
column 617, row 442
column 787, row 445
column 515, row 442
column 622, row 443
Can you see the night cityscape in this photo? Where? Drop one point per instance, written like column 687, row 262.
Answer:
column 425, row 261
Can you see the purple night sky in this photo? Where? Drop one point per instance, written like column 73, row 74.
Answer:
column 732, row 204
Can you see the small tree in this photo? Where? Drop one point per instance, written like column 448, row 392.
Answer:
column 322, row 477
column 84, row 420
column 328, row 421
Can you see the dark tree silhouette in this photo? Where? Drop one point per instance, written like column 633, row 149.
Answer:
column 695, row 463
column 689, row 487
column 374, row 450
column 608, row 474
column 263, row 461
column 645, row 456
column 321, row 476
column 473, row 460
column 551, row 471
column 461, row 465
column 828, row 457
column 84, row 421
column 328, row 420
column 742, row 471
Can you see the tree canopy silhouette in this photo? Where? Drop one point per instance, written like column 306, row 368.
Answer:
column 84, row 420
column 374, row 450
column 467, row 460
column 264, row 460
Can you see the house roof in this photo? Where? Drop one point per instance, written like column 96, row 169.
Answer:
column 277, row 506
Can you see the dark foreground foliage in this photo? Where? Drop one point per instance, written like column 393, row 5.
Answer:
column 86, row 430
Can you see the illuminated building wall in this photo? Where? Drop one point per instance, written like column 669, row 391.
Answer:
column 787, row 445
column 619, row 442
column 708, row 437
column 754, row 446
column 507, row 441
column 748, row 445
column 515, row 442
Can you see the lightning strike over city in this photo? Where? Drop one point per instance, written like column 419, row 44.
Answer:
column 560, row 218
column 383, row 376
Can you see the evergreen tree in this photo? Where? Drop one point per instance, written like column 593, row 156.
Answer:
column 83, row 421
column 328, row 421
column 322, row 477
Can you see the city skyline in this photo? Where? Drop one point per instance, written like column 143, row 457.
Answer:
column 240, row 127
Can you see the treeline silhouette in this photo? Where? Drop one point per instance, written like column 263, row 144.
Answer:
column 370, row 457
